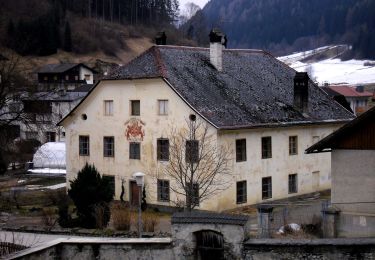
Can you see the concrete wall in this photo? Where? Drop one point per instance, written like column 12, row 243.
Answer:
column 274, row 249
column 157, row 126
column 353, row 191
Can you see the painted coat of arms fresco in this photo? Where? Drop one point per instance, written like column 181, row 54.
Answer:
column 134, row 130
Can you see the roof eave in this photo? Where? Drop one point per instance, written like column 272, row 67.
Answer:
column 284, row 124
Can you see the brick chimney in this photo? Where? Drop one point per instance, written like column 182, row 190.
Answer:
column 301, row 91
column 161, row 38
column 218, row 42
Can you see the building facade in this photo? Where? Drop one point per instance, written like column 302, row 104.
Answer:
column 255, row 105
column 66, row 76
column 353, row 175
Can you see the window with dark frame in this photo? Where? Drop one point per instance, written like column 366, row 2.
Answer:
column 135, row 151
column 194, row 197
column 162, row 149
column 192, row 151
column 266, row 147
column 266, row 188
column 240, row 150
column 109, row 146
column 293, row 183
column 293, row 145
column 163, row 190
column 84, row 145
column 241, row 192
column 135, row 107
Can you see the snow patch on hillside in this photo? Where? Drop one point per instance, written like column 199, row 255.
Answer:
column 333, row 70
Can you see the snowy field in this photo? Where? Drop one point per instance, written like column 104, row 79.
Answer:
column 333, row 70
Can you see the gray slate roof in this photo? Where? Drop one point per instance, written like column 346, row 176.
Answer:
column 254, row 89
column 208, row 218
column 60, row 68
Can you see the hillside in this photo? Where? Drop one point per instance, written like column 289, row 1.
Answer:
column 284, row 26
column 84, row 31
column 324, row 65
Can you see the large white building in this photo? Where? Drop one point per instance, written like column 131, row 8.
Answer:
column 262, row 109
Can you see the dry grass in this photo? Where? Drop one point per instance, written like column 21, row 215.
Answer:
column 150, row 220
column 122, row 217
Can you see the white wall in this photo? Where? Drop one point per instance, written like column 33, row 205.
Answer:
column 156, row 126
column 83, row 71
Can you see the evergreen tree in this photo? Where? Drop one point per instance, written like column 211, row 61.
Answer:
column 67, row 38
column 88, row 191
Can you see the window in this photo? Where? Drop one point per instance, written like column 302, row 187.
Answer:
column 55, row 78
column 266, row 188
column 293, row 183
column 109, row 146
column 45, row 78
column 163, row 107
column 135, row 107
column 84, row 145
column 135, row 151
column 163, row 190
column 87, row 77
column 193, row 194
column 111, row 181
column 192, row 151
column 67, row 77
column 241, row 192
column 241, row 150
column 163, row 149
column 51, row 136
column 76, row 77
column 108, row 107
column 266, row 147
column 293, row 145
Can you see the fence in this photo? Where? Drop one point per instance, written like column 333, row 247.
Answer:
column 7, row 248
column 309, row 216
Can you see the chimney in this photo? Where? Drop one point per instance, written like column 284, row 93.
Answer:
column 301, row 91
column 161, row 38
column 360, row 89
column 218, row 42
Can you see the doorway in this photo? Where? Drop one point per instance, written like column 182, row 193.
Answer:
column 134, row 194
column 209, row 245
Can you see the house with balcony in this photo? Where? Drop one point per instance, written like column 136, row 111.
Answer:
column 67, row 76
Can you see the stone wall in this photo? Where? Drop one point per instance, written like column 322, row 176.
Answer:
column 184, row 239
column 92, row 248
column 270, row 249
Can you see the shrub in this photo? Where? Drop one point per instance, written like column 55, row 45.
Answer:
column 49, row 218
column 122, row 217
column 149, row 220
column 102, row 215
column 88, row 191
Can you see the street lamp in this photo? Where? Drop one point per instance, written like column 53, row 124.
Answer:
column 139, row 178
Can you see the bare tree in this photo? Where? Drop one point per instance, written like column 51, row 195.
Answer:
column 198, row 166
column 13, row 87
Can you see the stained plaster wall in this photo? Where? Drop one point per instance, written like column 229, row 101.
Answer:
column 159, row 126
column 353, row 192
